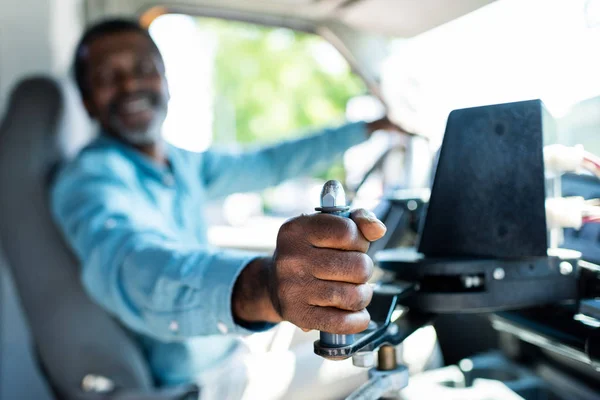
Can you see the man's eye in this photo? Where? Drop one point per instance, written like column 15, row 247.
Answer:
column 104, row 78
column 146, row 67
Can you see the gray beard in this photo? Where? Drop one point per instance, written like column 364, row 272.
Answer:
column 146, row 137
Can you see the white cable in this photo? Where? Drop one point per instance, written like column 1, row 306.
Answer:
column 559, row 158
column 565, row 212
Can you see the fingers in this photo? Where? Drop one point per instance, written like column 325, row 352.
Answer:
column 387, row 125
column 344, row 296
column 333, row 320
column 334, row 232
column 321, row 271
column 370, row 227
column 378, row 124
column 342, row 266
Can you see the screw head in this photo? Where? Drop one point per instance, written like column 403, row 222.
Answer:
column 466, row 365
column 364, row 359
column 565, row 268
column 499, row 274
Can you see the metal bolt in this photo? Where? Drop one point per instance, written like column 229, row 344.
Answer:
column 412, row 205
column 499, row 274
column 387, row 358
column 364, row 359
column 565, row 267
column 392, row 329
column 333, row 195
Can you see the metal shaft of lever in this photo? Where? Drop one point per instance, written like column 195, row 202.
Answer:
column 333, row 201
column 334, row 339
column 380, row 383
column 374, row 388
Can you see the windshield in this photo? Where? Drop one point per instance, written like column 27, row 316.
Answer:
column 248, row 85
column 507, row 51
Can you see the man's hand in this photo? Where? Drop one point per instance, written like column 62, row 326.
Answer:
column 386, row 125
column 318, row 276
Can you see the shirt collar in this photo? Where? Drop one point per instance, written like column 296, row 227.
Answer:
column 143, row 161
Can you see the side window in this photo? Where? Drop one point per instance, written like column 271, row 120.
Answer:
column 241, row 84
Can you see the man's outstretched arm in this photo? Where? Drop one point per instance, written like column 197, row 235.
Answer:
column 226, row 172
column 142, row 273
column 137, row 268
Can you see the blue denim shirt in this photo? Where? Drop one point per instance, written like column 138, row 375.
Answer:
column 139, row 232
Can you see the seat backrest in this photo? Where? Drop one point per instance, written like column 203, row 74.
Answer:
column 73, row 336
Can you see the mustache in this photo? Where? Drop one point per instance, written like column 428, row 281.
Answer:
column 156, row 99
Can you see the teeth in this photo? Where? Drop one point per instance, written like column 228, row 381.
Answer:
column 138, row 105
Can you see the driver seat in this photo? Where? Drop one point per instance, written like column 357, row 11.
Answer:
column 83, row 351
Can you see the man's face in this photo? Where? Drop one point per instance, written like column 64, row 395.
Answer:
column 127, row 90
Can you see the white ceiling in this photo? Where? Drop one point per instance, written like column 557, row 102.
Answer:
column 400, row 18
column 405, row 18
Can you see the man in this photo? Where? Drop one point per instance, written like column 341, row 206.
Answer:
column 131, row 208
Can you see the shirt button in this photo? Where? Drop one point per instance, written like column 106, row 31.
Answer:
column 222, row 328
column 110, row 223
column 168, row 180
column 174, row 326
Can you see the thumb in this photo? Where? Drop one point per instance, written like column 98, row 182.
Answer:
column 368, row 224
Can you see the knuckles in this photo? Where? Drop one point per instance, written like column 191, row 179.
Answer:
column 296, row 257
column 357, row 298
column 350, row 323
column 291, row 227
column 362, row 267
column 346, row 232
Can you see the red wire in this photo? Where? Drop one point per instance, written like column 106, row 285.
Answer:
column 590, row 158
column 592, row 166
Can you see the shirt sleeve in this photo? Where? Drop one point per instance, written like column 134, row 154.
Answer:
column 226, row 172
column 134, row 266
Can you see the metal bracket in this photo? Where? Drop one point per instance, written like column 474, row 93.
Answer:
column 382, row 330
column 380, row 383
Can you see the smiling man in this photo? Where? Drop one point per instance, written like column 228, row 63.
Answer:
column 131, row 207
